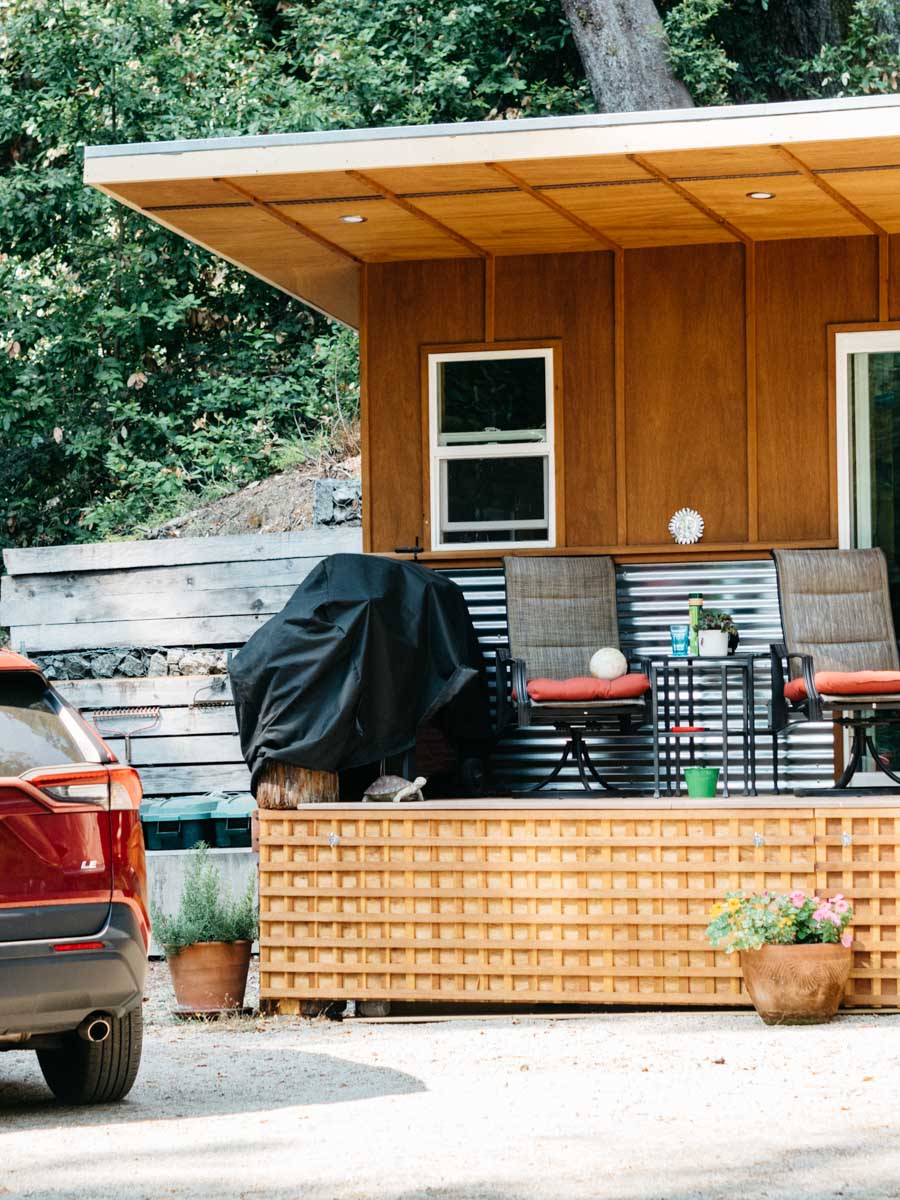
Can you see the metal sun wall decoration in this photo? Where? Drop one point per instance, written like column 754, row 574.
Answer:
column 686, row 526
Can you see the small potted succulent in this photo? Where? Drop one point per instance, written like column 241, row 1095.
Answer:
column 794, row 948
column 717, row 634
column 207, row 942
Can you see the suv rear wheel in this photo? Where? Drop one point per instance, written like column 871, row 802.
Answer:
column 96, row 1072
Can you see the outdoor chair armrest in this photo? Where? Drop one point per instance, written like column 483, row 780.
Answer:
column 779, row 656
column 642, row 666
column 503, row 688
column 520, row 687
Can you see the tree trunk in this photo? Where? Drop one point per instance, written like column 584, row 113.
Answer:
column 802, row 27
column 625, row 55
column 283, row 785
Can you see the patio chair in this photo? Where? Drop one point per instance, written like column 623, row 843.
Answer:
column 839, row 648
column 561, row 610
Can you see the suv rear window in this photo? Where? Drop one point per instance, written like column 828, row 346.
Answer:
column 35, row 730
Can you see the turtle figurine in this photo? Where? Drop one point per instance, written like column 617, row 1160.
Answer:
column 394, row 788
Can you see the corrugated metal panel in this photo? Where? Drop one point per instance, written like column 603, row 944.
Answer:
column 651, row 596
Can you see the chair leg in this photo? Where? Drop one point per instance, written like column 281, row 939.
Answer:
column 856, row 752
column 589, row 763
column 556, row 770
column 775, row 763
column 879, row 761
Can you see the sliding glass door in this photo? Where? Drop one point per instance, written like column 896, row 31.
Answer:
column 869, row 445
column 868, row 428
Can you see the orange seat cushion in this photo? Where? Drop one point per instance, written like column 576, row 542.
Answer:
column 626, row 687
column 846, row 683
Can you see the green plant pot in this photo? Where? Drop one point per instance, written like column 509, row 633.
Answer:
column 701, row 781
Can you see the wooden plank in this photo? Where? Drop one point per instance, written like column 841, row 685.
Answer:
column 200, row 577
column 409, row 304
column 167, row 552
column 173, row 690
column 194, row 780
column 570, row 297
column 153, row 751
column 171, row 604
column 174, row 724
column 684, row 365
column 183, row 631
column 802, row 287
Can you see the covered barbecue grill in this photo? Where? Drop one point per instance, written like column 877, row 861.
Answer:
column 366, row 653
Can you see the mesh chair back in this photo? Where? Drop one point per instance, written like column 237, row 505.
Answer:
column 835, row 606
column 560, row 610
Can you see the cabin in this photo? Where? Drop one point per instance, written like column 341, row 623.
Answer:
column 692, row 309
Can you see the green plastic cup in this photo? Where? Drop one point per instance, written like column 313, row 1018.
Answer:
column 701, row 781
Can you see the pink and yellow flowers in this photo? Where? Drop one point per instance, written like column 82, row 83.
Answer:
column 748, row 921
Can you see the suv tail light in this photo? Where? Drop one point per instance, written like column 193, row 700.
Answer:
column 125, row 791
column 117, row 788
column 73, row 785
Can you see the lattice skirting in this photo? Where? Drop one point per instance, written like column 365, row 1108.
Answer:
column 551, row 906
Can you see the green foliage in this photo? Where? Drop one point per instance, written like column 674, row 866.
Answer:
column 736, row 50
column 404, row 62
column 867, row 60
column 205, row 913
column 747, row 922
column 698, row 58
column 138, row 373
column 711, row 618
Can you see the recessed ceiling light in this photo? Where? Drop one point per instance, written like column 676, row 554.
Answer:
column 353, row 219
column 761, row 195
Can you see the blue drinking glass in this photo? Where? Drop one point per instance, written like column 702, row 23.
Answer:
column 680, row 635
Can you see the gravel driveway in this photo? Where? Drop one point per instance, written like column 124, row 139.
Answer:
column 612, row 1107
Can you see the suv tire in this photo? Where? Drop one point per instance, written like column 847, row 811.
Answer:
column 96, row 1072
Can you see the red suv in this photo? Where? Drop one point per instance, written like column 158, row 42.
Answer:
column 74, row 929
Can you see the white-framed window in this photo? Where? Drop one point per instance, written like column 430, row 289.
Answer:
column 491, row 448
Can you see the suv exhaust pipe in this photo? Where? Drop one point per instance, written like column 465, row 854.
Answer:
column 95, row 1028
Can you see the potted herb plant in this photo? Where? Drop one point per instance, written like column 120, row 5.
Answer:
column 717, row 633
column 207, row 942
column 795, row 952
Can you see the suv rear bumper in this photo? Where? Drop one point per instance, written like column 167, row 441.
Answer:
column 45, row 991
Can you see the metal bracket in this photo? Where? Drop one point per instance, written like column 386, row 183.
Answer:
column 758, row 840
column 846, row 839
column 334, row 839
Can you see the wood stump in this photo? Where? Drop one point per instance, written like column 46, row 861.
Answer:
column 282, row 785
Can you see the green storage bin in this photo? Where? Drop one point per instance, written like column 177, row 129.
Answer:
column 231, row 813
column 178, row 823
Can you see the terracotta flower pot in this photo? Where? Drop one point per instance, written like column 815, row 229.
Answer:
column 796, row 985
column 210, row 977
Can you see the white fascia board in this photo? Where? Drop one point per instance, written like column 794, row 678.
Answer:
column 499, row 141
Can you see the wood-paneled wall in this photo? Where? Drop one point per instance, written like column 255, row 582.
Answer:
column 719, row 400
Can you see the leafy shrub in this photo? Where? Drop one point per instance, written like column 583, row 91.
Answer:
column 205, row 914
column 748, row 922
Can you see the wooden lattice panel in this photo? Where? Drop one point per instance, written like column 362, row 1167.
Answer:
column 505, row 905
column 857, row 854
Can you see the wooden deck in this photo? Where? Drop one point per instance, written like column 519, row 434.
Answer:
column 572, row 902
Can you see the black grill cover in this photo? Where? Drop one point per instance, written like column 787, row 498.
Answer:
column 364, row 652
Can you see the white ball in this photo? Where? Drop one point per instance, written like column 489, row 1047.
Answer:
column 608, row 663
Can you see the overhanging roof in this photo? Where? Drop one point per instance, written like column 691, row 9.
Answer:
column 274, row 205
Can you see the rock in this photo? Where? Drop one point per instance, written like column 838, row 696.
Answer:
column 132, row 666
column 158, row 664
column 337, row 502
column 104, row 665
column 200, row 662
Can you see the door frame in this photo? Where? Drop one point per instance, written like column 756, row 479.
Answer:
column 846, row 340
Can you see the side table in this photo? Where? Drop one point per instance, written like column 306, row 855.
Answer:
column 673, row 681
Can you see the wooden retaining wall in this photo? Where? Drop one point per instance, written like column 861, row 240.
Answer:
column 527, row 904
column 198, row 593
